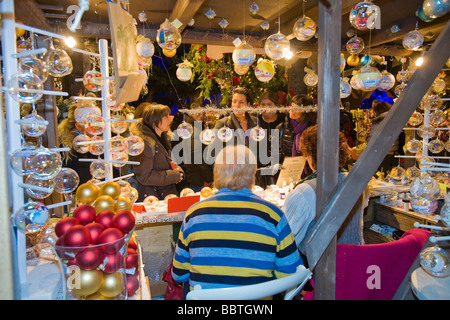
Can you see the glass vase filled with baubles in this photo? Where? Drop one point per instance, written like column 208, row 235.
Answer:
column 425, row 192
column 93, row 247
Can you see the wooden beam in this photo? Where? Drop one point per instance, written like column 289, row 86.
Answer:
column 184, row 10
column 328, row 92
column 377, row 147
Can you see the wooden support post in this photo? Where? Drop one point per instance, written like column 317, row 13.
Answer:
column 363, row 170
column 328, row 92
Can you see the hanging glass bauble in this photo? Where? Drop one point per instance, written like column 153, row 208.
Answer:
column 117, row 107
column 58, row 62
column 168, row 36
column 425, row 186
column 412, row 172
column 438, row 85
column 369, row 78
column 99, row 169
column 354, row 82
column 207, row 136
column 95, row 125
column 435, row 8
column 117, row 144
column 135, row 145
column 33, row 65
column 93, row 80
column 426, row 159
column 23, row 45
column 404, row 76
column 118, row 125
column 355, row 45
column 387, row 81
column 80, row 143
column 184, row 72
column 210, row 14
column 434, row 260
column 426, row 132
column 399, row 89
column 185, row 130
column 31, row 217
column 66, row 180
column 39, row 194
column 254, row 8
column 345, row 88
column 145, row 48
column 43, row 163
column 241, row 70
column 304, row 28
column 33, row 129
column 415, row 119
column 82, row 113
column 365, row 60
column 223, row 23
column 144, row 63
column 353, row 60
column 118, row 158
column 25, row 87
column 414, row 145
column 244, row 54
column 225, row 134
column 310, row 79
column 257, row 133
column 413, row 40
column 436, row 145
column 169, row 52
column 431, row 102
column 277, row 46
column 18, row 159
column 96, row 147
column 363, row 15
column 264, row 70
column 437, row 117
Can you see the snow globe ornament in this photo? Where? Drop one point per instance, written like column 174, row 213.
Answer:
column 304, row 28
column 387, row 81
column 264, row 70
column 355, row 45
column 434, row 260
column 35, row 127
column 244, row 54
column 31, row 217
column 369, row 78
column 168, row 36
column 277, row 46
column 345, row 88
column 185, row 130
column 93, row 81
column 184, row 71
column 363, row 15
column 99, row 169
column 25, row 87
column 413, row 40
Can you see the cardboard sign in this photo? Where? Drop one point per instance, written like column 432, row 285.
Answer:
column 292, row 170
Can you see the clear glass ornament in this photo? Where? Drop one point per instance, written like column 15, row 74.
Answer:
column 185, row 130
column 119, row 156
column 304, row 28
column 93, row 81
column 78, row 143
column 44, row 163
column 225, row 134
column 125, row 187
column 310, row 79
column 369, row 78
column 31, row 217
column 254, row 8
column 277, row 46
column 168, row 36
column 58, row 62
column 33, row 129
column 207, row 136
column 387, row 81
column 399, row 89
column 434, row 260
column 257, row 133
column 438, row 85
column 96, row 148
column 436, row 146
column 415, row 119
column 363, row 15
column 425, row 186
column 430, row 101
column 413, row 40
column 423, row 205
column 345, row 89
column 414, row 145
column 25, row 87
column 118, row 125
column 437, row 117
column 404, row 76
column 66, row 181
column 95, row 125
column 18, row 159
column 447, row 146
column 83, row 112
column 426, row 132
column 99, row 169
column 145, row 49
column 412, row 172
column 135, row 145
column 186, row 192
column 33, row 65
column 118, row 144
column 39, row 194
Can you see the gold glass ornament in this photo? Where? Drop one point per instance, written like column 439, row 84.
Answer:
column 353, row 60
column 104, row 203
column 169, row 53
column 122, row 203
column 87, row 192
column 111, row 189
column 90, row 282
column 97, row 296
column 112, row 285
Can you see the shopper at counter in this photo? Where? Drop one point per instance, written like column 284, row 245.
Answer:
column 300, row 204
column 157, row 175
column 234, row 238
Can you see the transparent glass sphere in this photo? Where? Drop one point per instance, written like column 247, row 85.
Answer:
column 119, row 156
column 413, row 40
column 18, row 159
column 184, row 73
column 125, row 187
column 59, row 63
column 225, row 134
column 32, row 217
column 438, row 85
column 96, row 148
column 425, row 186
column 257, row 133
column 426, row 159
column 415, row 119
column 145, row 49
column 426, row 132
column 119, row 125
column 185, row 130
column 135, row 145
column 434, row 260
column 43, row 163
column 95, row 125
column 412, row 172
column 363, row 15
column 186, row 192
column 404, row 76
column 33, row 129
column 93, row 81
column 78, row 143
column 387, row 81
column 345, row 89
column 430, row 101
column 277, row 46
column 310, row 79
column 99, row 169
column 414, row 145
column 150, row 201
column 436, row 145
column 437, row 117
column 244, row 54
column 369, row 78
column 66, row 181
column 25, row 87
column 207, row 136
column 399, row 89
column 304, row 28
column 168, row 36
column 82, row 113
column 118, row 144
column 39, row 194
column 33, row 65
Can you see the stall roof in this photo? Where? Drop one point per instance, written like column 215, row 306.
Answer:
column 241, row 21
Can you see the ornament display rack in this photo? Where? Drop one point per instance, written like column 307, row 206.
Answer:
column 26, row 287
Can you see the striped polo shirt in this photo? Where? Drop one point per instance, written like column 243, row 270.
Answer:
column 234, row 238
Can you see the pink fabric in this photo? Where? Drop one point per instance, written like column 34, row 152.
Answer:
column 353, row 263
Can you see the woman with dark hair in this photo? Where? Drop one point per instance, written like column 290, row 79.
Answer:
column 157, row 175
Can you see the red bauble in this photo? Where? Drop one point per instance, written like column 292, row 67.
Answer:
column 132, row 259
column 64, row 224
column 77, row 236
column 132, row 285
column 85, row 213
column 105, row 218
column 124, row 221
column 90, row 258
column 113, row 262
column 111, row 240
column 132, row 244
column 95, row 229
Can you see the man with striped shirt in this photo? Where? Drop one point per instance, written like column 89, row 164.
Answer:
column 234, row 238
